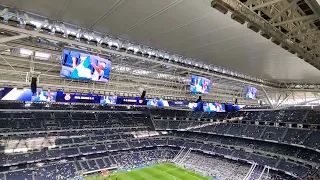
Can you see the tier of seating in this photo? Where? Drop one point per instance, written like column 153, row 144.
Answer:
column 94, row 159
column 220, row 168
column 290, row 116
column 227, row 169
column 306, row 116
column 41, row 121
column 300, row 116
column 298, row 136
column 68, row 149
column 269, row 147
column 64, row 106
column 67, row 169
column 79, row 141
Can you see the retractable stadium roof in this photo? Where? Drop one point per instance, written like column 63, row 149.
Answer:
column 196, row 31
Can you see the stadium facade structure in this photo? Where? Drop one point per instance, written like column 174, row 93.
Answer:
column 41, row 138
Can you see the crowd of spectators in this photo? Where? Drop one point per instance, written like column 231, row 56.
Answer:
column 61, row 144
column 281, row 134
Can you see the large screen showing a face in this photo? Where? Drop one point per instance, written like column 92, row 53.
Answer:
column 82, row 66
column 252, row 92
column 199, row 85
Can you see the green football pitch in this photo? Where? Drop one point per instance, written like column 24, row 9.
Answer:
column 157, row 172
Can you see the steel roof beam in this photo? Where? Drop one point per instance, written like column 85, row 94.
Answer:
column 301, row 103
column 123, row 78
column 154, row 66
column 315, row 31
column 53, row 64
column 284, row 9
column 270, row 29
column 313, row 44
column 303, row 24
column 314, row 50
column 100, row 49
column 12, row 38
column 267, row 96
column 168, row 70
column 303, row 18
column 268, row 3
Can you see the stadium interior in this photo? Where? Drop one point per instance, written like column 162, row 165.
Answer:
column 225, row 89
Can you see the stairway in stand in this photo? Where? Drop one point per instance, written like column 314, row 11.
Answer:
column 181, row 156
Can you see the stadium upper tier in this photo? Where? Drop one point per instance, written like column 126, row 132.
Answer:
column 81, row 142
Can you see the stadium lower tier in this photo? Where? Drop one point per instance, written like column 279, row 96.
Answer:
column 69, row 143
column 83, row 152
column 68, row 168
column 166, row 171
column 85, row 166
column 163, row 171
column 30, row 140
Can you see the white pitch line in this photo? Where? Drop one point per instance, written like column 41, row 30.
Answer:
column 192, row 175
column 174, row 177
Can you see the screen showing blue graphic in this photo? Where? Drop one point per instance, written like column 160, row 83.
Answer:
column 196, row 106
column 77, row 98
column 209, row 107
column 131, row 101
column 233, row 107
column 252, row 92
column 199, row 85
column 44, row 96
column 82, row 66
column 14, row 94
column 213, row 107
column 178, row 103
column 108, row 100
column 157, row 102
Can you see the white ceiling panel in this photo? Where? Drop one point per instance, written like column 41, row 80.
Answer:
column 292, row 70
column 212, row 37
column 230, row 43
column 191, row 32
column 130, row 13
column 170, row 18
column 76, row 11
column 45, row 8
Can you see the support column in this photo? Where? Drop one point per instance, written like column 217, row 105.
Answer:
column 267, row 96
